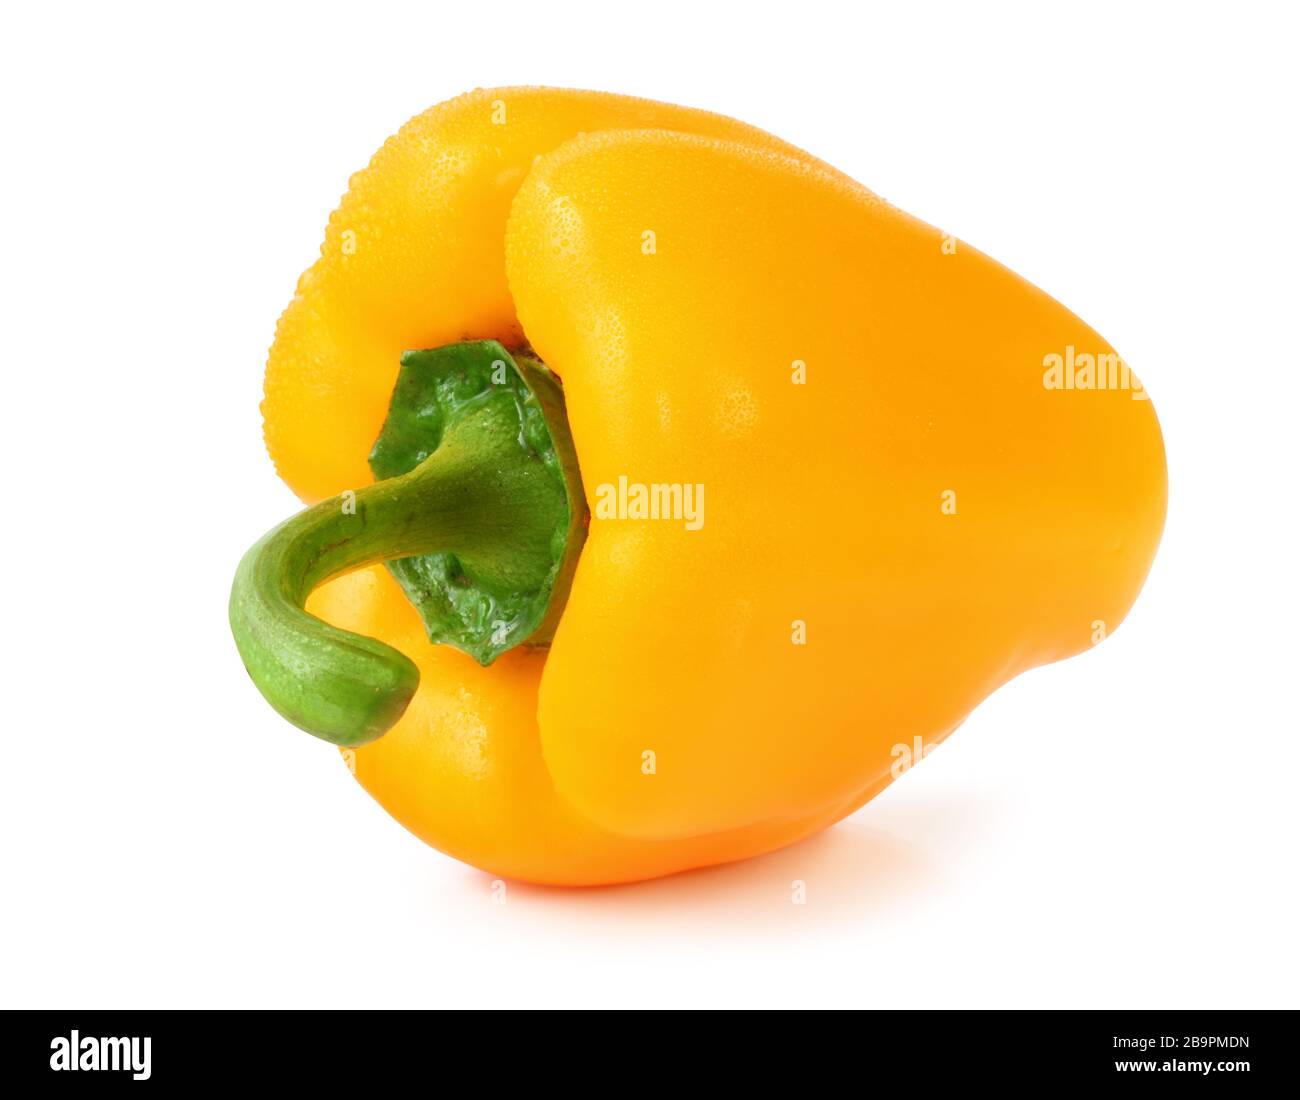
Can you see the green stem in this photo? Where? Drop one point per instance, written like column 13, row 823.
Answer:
column 498, row 502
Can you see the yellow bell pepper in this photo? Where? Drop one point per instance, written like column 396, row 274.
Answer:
column 841, row 476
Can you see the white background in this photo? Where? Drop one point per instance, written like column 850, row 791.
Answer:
column 1116, row 830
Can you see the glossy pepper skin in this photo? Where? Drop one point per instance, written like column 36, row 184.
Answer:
column 900, row 515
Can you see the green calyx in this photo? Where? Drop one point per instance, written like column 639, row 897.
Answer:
column 478, row 511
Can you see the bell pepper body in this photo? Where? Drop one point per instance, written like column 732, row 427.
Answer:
column 873, row 503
